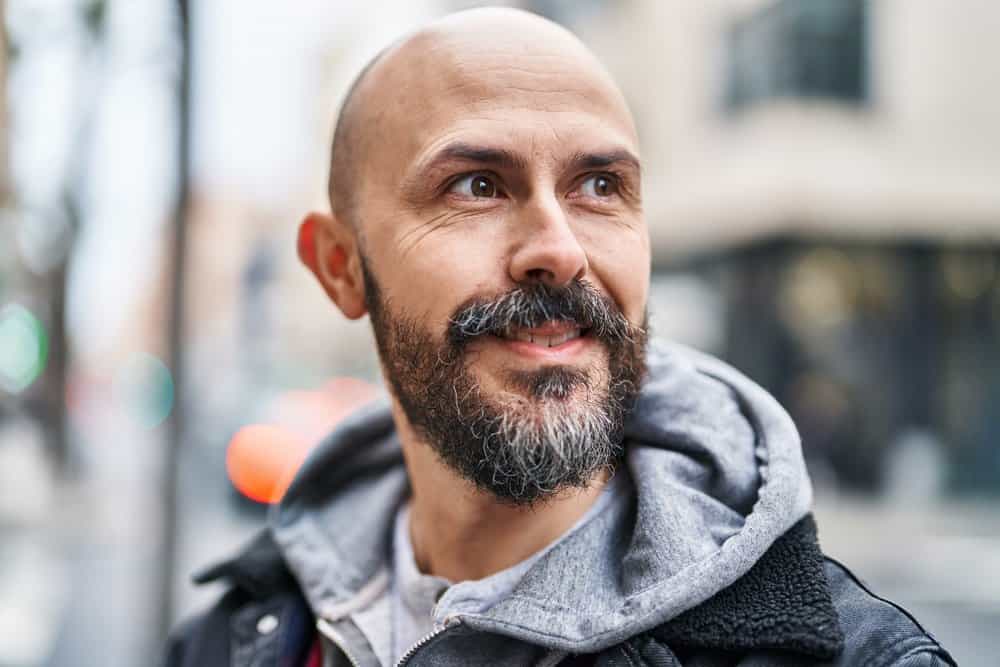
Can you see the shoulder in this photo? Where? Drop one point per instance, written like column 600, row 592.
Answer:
column 797, row 606
column 261, row 613
column 204, row 637
column 877, row 631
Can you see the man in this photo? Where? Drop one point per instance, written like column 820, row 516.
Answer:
column 539, row 490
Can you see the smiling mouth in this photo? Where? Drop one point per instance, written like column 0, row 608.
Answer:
column 550, row 334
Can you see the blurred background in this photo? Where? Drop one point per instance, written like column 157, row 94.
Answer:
column 823, row 192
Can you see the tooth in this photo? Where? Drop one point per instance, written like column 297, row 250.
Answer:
column 516, row 333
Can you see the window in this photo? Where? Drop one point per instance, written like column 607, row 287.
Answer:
column 798, row 48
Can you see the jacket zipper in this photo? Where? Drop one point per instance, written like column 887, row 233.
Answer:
column 326, row 629
column 448, row 622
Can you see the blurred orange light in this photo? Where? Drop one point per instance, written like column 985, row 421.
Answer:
column 262, row 460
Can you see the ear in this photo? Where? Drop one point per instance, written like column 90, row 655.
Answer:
column 328, row 247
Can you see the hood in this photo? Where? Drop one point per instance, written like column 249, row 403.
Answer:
column 716, row 476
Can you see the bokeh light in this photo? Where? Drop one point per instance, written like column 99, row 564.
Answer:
column 24, row 348
column 144, row 390
column 262, row 460
column 821, row 290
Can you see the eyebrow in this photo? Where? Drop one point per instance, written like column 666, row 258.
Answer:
column 487, row 155
column 601, row 159
column 503, row 158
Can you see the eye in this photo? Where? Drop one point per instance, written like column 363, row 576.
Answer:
column 599, row 185
column 474, row 185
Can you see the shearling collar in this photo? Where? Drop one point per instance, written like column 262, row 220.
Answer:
column 783, row 602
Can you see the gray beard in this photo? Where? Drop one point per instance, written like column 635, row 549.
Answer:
column 526, row 448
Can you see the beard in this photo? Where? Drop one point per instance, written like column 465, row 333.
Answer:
column 560, row 427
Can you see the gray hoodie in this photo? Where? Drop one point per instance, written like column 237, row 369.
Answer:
column 716, row 475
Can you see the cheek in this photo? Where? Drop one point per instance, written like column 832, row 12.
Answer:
column 620, row 264
column 433, row 279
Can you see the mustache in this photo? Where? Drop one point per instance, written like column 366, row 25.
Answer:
column 532, row 305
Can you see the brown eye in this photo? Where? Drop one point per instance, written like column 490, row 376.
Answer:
column 476, row 185
column 483, row 187
column 599, row 185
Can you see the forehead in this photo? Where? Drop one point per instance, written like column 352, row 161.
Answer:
column 443, row 88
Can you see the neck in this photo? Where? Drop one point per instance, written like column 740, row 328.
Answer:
column 460, row 532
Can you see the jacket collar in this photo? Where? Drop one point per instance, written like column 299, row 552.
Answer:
column 783, row 602
column 258, row 569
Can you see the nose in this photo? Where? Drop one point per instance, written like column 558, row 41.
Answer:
column 546, row 248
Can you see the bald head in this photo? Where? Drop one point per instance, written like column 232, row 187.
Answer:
column 346, row 145
column 470, row 55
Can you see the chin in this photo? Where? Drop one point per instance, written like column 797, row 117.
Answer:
column 549, row 384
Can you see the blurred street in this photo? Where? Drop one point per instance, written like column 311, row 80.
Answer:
column 940, row 562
